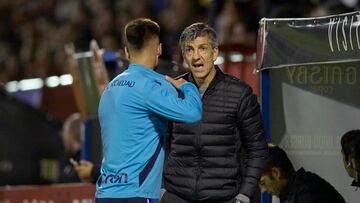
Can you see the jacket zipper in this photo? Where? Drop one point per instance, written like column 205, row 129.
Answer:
column 198, row 160
column 198, row 149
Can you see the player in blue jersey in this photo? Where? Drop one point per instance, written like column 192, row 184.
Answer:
column 133, row 113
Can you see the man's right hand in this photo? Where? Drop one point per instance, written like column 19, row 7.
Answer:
column 177, row 83
column 83, row 169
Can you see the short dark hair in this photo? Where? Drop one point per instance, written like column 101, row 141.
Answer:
column 279, row 158
column 139, row 31
column 197, row 30
column 350, row 144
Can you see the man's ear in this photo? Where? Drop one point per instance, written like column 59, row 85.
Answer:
column 127, row 54
column 159, row 51
column 353, row 163
column 215, row 53
column 349, row 162
column 356, row 163
column 276, row 173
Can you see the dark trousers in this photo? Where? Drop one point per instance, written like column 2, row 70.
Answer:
column 126, row 200
column 172, row 198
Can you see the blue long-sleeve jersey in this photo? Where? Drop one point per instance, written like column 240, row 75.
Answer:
column 133, row 114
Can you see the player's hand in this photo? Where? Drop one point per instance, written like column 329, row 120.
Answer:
column 174, row 82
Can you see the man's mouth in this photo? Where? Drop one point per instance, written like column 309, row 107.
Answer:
column 197, row 65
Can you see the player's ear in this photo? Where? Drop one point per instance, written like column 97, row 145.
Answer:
column 127, row 54
column 159, row 50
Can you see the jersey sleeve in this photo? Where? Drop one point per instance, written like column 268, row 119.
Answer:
column 165, row 101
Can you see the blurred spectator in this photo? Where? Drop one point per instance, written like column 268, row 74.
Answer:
column 326, row 7
column 172, row 21
column 110, row 42
column 350, row 148
column 280, row 179
column 8, row 65
column 36, row 31
column 72, row 168
column 71, row 134
column 87, row 171
column 349, row 3
column 226, row 19
column 237, row 23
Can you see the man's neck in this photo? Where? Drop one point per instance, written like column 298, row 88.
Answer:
column 207, row 80
column 200, row 82
column 144, row 58
column 145, row 62
column 202, row 89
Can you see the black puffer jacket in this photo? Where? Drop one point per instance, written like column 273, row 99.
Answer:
column 204, row 160
column 307, row 187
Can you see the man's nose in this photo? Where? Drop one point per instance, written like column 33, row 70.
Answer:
column 196, row 54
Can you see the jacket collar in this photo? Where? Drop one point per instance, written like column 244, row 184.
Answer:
column 287, row 191
column 219, row 76
column 144, row 69
column 355, row 184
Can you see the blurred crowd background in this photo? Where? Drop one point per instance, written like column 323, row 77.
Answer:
column 33, row 33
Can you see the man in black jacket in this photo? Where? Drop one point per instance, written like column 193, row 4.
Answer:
column 71, row 137
column 350, row 148
column 281, row 179
column 220, row 158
